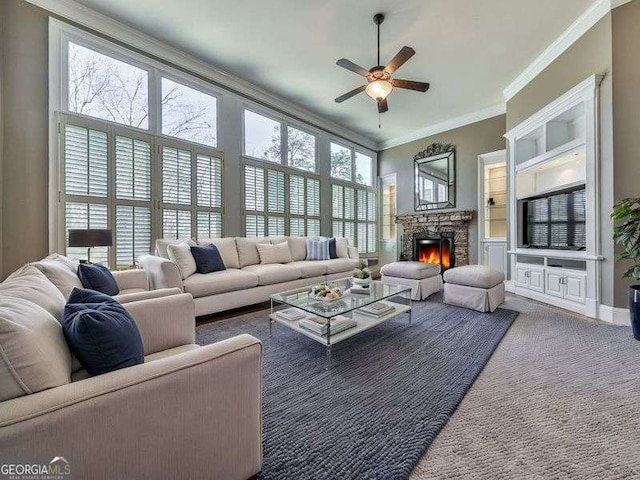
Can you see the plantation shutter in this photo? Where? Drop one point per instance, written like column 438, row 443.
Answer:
column 275, row 189
column 82, row 216
column 176, row 176
column 253, row 188
column 85, row 161
column 296, row 195
column 133, row 234
column 313, row 198
column 133, row 169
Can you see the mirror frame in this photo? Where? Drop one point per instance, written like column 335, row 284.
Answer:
column 439, row 151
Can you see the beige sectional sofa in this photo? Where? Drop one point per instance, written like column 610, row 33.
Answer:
column 246, row 281
column 186, row 412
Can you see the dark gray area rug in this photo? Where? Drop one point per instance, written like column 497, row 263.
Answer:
column 390, row 391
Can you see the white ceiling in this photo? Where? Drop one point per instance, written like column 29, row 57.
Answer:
column 469, row 50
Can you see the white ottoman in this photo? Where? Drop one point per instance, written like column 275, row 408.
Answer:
column 423, row 278
column 476, row 287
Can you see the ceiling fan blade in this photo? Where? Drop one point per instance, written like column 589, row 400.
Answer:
column 402, row 56
column 350, row 94
column 349, row 65
column 383, row 106
column 410, row 85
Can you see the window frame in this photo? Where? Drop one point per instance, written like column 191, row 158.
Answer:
column 287, row 172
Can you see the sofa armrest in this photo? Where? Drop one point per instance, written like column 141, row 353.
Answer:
column 131, row 279
column 192, row 415
column 147, row 295
column 162, row 273
column 164, row 322
column 353, row 253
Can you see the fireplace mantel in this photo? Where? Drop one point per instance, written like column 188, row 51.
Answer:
column 456, row 221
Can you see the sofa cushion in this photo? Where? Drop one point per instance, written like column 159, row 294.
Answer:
column 342, row 247
column 181, row 255
column 412, row 270
column 227, row 248
column 101, row 333
column 298, row 248
column 98, row 277
column 317, row 249
column 70, row 263
column 203, row 285
column 275, row 273
column 162, row 243
column 340, row 265
column 310, row 269
column 479, row 276
column 276, row 253
column 30, row 283
column 60, row 275
column 332, row 248
column 34, row 355
column 247, row 250
column 208, row 259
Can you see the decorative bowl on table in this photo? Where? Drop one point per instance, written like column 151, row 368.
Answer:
column 326, row 293
column 361, row 275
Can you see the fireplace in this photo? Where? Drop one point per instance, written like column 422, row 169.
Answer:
column 433, row 247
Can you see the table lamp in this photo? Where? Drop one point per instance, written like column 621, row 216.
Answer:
column 88, row 238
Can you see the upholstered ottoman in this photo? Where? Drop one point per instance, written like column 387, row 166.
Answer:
column 423, row 278
column 474, row 286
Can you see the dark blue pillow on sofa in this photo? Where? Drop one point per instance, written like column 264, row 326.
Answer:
column 100, row 332
column 208, row 259
column 333, row 253
column 97, row 277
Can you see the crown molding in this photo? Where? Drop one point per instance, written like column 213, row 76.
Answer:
column 447, row 125
column 110, row 28
column 583, row 23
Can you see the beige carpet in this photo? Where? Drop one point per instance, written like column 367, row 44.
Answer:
column 559, row 399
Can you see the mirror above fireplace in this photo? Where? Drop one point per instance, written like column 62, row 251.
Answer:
column 435, row 177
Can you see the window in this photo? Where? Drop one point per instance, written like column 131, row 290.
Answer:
column 340, row 162
column 292, row 203
column 188, row 113
column 304, row 206
column 301, row 149
column 262, row 137
column 103, row 87
column 119, row 195
column 364, row 169
column 354, row 217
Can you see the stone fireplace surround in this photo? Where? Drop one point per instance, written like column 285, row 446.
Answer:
column 456, row 221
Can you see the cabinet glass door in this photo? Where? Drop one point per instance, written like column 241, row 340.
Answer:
column 495, row 200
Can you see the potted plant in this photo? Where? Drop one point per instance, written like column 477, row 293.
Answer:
column 361, row 275
column 627, row 234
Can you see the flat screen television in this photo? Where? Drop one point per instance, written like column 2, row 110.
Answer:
column 555, row 221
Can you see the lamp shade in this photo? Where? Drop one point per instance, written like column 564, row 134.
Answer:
column 379, row 89
column 90, row 238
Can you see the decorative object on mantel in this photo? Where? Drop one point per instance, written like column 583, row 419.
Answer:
column 456, row 221
column 435, row 177
column 627, row 213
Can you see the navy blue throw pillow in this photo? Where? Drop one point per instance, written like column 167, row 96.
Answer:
column 100, row 332
column 98, row 277
column 207, row 259
column 332, row 248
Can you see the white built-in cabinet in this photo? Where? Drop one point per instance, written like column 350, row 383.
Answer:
column 492, row 210
column 552, row 151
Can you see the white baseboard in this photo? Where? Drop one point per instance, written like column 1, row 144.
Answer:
column 615, row 315
column 509, row 286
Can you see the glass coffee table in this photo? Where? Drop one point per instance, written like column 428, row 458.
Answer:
column 347, row 306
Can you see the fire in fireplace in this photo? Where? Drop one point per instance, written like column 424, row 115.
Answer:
column 435, row 248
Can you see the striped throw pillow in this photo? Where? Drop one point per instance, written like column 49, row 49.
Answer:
column 317, row 249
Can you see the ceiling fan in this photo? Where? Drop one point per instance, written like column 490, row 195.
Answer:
column 379, row 82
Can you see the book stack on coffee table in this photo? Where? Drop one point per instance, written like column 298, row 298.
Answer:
column 377, row 310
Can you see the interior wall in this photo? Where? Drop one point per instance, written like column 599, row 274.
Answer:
column 470, row 141
column 25, row 169
column 1, row 118
column 590, row 54
column 626, row 116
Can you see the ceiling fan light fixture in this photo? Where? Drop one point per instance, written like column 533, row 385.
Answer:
column 378, row 90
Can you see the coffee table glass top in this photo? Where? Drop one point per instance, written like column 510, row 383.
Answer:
column 302, row 298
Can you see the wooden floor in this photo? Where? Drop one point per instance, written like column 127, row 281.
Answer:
column 236, row 312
